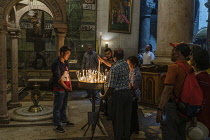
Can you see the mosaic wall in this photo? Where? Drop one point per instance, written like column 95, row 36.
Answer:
column 81, row 21
column 37, row 43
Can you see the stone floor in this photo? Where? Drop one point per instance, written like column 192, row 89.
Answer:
column 79, row 108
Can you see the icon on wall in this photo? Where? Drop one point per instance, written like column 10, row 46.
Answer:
column 120, row 15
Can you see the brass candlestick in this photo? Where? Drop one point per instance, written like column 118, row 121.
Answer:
column 35, row 97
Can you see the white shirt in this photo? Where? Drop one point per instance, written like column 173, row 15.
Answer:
column 148, row 57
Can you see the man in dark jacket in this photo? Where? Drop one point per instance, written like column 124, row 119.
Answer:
column 62, row 87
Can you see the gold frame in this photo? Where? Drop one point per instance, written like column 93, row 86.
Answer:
column 120, row 16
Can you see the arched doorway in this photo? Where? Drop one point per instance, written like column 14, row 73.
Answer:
column 58, row 10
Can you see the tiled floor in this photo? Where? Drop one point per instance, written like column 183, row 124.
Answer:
column 149, row 130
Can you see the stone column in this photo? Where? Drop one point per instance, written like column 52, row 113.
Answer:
column 60, row 30
column 146, row 9
column 207, row 4
column 60, row 41
column 4, row 118
column 14, row 34
column 175, row 24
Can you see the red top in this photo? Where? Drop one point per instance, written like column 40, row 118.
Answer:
column 66, row 79
column 204, row 82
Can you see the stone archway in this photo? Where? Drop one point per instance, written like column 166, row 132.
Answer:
column 21, row 13
column 57, row 7
column 58, row 10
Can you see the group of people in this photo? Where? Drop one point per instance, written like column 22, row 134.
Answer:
column 123, row 80
column 122, row 93
column 173, row 124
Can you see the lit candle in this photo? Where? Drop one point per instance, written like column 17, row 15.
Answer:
column 99, row 49
column 99, row 46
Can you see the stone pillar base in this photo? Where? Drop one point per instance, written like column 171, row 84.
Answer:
column 162, row 60
column 4, row 120
column 14, row 105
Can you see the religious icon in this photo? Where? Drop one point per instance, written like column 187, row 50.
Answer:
column 120, row 16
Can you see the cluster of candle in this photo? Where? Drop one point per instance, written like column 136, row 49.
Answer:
column 91, row 76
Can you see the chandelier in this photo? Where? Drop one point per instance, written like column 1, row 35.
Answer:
column 32, row 14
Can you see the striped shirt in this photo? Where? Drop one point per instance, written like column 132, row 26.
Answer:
column 119, row 75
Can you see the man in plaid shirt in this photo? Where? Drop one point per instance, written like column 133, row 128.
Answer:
column 121, row 97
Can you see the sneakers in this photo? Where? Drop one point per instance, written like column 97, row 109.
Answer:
column 67, row 123
column 59, row 129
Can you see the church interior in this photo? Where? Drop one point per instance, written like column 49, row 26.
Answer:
column 33, row 31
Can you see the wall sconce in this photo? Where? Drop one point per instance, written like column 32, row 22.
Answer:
column 106, row 45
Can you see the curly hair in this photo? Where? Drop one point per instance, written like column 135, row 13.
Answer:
column 201, row 58
column 133, row 60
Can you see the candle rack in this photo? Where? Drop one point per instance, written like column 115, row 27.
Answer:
column 91, row 76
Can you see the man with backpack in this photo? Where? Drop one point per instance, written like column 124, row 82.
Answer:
column 173, row 124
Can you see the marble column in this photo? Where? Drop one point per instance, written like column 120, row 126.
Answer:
column 60, row 30
column 4, row 117
column 14, row 35
column 60, row 41
column 146, row 9
column 175, row 24
column 207, row 4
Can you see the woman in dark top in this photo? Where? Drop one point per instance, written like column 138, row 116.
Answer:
column 135, row 81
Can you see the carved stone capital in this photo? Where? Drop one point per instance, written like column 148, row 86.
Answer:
column 60, row 27
column 60, row 30
column 14, row 32
column 59, row 34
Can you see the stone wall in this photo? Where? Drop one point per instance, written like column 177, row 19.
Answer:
column 129, row 42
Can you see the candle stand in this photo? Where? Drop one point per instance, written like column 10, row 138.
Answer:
column 92, row 116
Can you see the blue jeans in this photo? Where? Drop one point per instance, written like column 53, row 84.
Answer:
column 59, row 109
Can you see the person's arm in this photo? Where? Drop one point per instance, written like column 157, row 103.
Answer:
column 70, row 84
column 135, row 79
column 106, row 62
column 152, row 56
column 111, row 83
column 109, row 92
column 57, row 76
column 168, row 90
column 96, row 59
column 60, row 81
